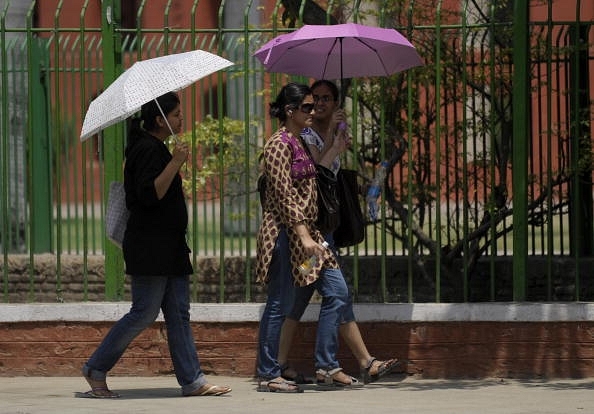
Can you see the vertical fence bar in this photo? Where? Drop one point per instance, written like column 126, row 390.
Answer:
column 85, row 200
column 409, row 171
column 40, row 202
column 194, row 152
column 88, row 149
column 521, row 134
column 57, row 150
column 581, row 147
column 222, row 167
column 437, row 86
column 113, row 136
column 247, row 149
column 382, row 221
column 166, row 28
column 4, row 218
column 464, row 98
column 492, row 143
column 355, row 143
column 549, row 135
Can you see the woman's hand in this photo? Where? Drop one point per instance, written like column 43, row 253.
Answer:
column 180, row 153
column 338, row 117
column 310, row 246
column 341, row 141
column 337, row 140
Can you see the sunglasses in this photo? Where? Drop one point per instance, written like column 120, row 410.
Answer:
column 306, row 108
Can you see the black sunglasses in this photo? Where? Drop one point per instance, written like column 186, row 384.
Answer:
column 306, row 108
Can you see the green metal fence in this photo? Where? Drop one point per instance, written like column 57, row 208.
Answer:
column 490, row 141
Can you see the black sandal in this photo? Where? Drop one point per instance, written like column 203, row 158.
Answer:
column 383, row 369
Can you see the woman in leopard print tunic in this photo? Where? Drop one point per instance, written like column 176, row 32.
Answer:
column 287, row 237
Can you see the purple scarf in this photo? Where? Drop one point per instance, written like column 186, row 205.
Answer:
column 302, row 166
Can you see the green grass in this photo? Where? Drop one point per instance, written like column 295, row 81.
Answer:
column 205, row 239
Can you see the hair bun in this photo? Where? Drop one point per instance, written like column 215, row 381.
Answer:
column 274, row 110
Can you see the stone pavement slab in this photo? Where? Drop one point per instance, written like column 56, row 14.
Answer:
column 395, row 394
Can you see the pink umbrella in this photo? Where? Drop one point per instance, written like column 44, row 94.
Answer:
column 339, row 51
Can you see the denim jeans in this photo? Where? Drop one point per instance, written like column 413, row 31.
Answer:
column 335, row 296
column 303, row 297
column 149, row 294
column 281, row 291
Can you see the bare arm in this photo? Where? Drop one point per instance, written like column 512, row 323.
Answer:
column 336, row 142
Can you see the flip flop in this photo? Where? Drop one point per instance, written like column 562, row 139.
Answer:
column 99, row 392
column 99, row 389
column 279, row 385
column 211, row 391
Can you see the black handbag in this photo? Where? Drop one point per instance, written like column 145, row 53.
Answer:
column 328, row 203
column 351, row 230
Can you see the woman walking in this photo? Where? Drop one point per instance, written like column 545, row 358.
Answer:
column 288, row 237
column 155, row 252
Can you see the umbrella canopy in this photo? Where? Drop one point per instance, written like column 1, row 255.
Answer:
column 339, row 51
column 147, row 80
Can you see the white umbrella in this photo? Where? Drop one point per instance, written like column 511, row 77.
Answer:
column 147, row 80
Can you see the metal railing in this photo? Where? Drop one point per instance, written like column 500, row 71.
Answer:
column 490, row 142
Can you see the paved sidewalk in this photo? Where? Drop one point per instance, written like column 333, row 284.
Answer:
column 395, row 394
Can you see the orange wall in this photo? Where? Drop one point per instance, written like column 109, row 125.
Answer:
column 153, row 15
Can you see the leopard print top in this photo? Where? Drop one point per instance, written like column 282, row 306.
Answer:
column 290, row 198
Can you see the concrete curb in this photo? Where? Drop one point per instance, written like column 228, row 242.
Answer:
column 366, row 312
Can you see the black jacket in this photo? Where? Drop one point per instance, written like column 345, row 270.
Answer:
column 155, row 239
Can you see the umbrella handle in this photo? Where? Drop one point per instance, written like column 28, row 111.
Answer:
column 167, row 122
column 175, row 138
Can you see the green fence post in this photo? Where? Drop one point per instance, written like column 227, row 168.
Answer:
column 521, row 138
column 580, row 200
column 581, row 145
column 113, row 141
column 41, row 202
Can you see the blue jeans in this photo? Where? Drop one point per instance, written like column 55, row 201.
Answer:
column 303, row 297
column 335, row 296
column 149, row 294
column 281, row 292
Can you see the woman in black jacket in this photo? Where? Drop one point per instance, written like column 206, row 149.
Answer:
column 155, row 252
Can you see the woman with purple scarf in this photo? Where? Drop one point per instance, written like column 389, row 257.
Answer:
column 288, row 237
